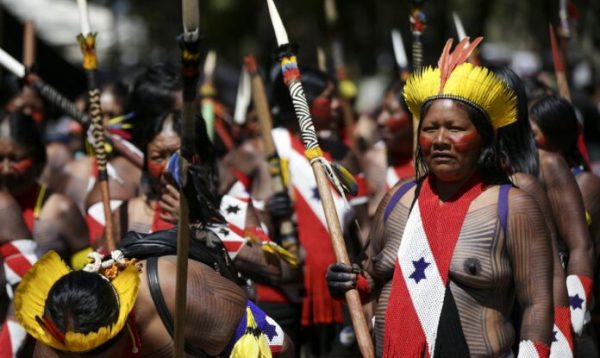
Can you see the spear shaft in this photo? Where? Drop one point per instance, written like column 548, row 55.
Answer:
column 87, row 44
column 291, row 77
column 189, row 43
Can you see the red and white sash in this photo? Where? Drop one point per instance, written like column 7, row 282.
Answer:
column 318, row 306
column 421, row 272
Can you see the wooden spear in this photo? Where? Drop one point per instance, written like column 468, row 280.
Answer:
column 261, row 104
column 189, row 43
column 417, row 26
column 291, row 76
column 346, row 88
column 28, row 44
column 563, row 87
column 87, row 43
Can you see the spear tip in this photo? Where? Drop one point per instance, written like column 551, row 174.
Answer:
column 280, row 33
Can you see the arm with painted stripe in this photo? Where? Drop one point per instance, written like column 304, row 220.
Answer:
column 569, row 215
column 530, row 254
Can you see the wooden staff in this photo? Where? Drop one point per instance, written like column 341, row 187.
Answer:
column 417, row 26
column 291, row 76
column 261, row 104
column 400, row 55
column 87, row 44
column 28, row 44
column 189, row 43
column 346, row 88
column 563, row 87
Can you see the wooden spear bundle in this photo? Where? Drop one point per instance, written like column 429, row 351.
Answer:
column 322, row 170
column 87, row 43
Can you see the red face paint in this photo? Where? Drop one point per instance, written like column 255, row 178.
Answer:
column 155, row 169
column 425, row 144
column 397, row 123
column 465, row 142
column 22, row 166
column 321, row 108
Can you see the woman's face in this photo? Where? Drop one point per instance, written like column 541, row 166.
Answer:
column 395, row 125
column 449, row 142
column 160, row 149
column 17, row 166
column 538, row 135
column 324, row 108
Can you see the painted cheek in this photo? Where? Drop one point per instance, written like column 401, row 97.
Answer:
column 396, row 123
column 465, row 143
column 425, row 144
column 22, row 166
column 321, row 108
column 155, row 169
column 540, row 141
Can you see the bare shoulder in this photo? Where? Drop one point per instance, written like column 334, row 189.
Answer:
column 59, row 205
column 124, row 165
column 589, row 183
column 80, row 168
column 520, row 202
column 551, row 162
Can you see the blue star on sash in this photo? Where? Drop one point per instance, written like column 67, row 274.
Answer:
column 315, row 193
column 575, row 301
column 554, row 333
column 269, row 330
column 419, row 273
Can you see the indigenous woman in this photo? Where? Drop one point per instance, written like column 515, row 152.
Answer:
column 520, row 158
column 451, row 252
column 53, row 219
column 556, row 130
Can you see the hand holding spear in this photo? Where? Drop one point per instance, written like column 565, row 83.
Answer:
column 189, row 43
column 87, row 43
column 320, row 166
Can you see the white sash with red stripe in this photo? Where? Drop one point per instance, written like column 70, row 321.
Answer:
column 12, row 337
column 18, row 257
column 560, row 347
column 303, row 179
column 422, row 277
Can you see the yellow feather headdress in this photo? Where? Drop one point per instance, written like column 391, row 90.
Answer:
column 30, row 301
column 458, row 80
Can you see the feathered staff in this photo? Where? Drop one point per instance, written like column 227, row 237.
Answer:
column 189, row 43
column 347, row 88
column 87, row 43
column 417, row 25
column 563, row 87
column 58, row 100
column 320, row 166
column 400, row 55
column 259, row 98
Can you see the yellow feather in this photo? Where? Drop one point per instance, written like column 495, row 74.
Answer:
column 474, row 84
column 30, row 300
column 249, row 345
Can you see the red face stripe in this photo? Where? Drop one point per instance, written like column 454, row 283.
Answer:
column 155, row 169
column 465, row 142
column 23, row 165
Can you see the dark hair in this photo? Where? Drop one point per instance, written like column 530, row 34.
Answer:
column 205, row 175
column 314, row 83
column 82, row 302
column 24, row 131
column 516, row 142
column 556, row 118
column 489, row 163
column 152, row 95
